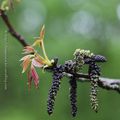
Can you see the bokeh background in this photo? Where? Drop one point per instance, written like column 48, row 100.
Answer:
column 70, row 24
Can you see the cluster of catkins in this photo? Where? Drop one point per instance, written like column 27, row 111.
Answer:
column 81, row 58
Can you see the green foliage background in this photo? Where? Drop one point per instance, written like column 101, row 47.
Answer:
column 70, row 24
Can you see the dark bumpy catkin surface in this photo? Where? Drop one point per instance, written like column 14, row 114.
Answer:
column 73, row 96
column 99, row 58
column 57, row 75
column 69, row 65
column 94, row 73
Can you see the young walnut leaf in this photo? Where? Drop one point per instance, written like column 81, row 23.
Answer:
column 34, row 76
column 37, row 63
column 25, row 63
column 39, row 40
column 33, row 58
column 28, row 50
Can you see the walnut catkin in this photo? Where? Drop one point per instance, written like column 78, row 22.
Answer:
column 73, row 96
column 57, row 75
column 94, row 73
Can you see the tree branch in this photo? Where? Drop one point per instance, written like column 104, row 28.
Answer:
column 11, row 29
column 105, row 83
column 109, row 84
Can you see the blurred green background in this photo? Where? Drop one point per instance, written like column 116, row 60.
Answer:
column 70, row 24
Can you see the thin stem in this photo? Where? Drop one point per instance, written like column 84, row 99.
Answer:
column 44, row 53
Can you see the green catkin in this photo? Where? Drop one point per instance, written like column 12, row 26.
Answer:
column 93, row 93
column 94, row 73
column 79, row 57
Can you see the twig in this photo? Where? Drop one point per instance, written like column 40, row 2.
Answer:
column 109, row 84
column 105, row 83
column 11, row 29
